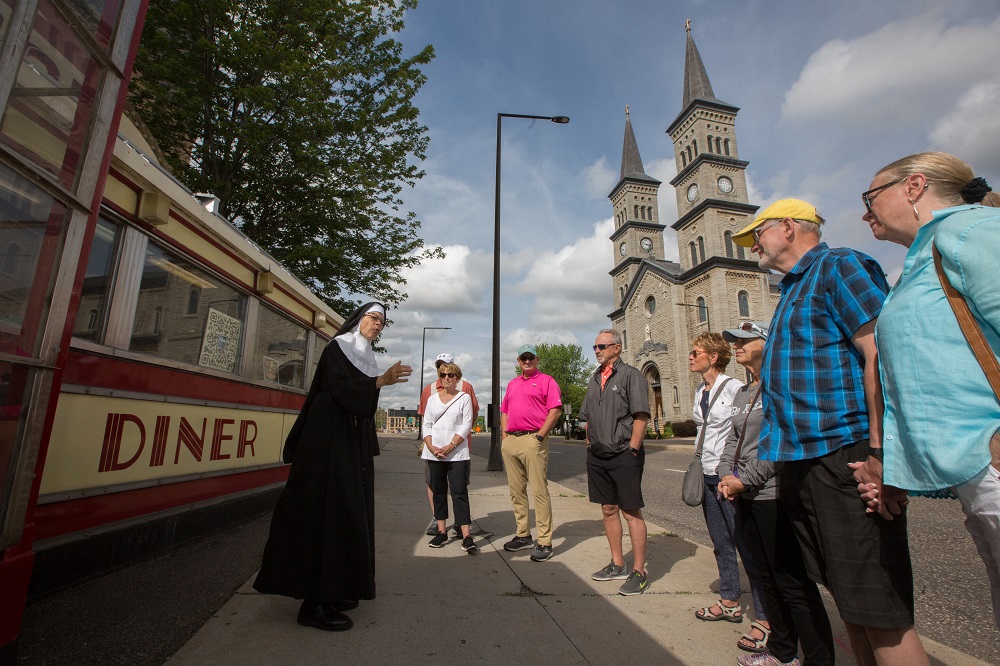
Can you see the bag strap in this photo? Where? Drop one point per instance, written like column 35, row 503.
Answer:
column 743, row 431
column 701, row 437
column 970, row 327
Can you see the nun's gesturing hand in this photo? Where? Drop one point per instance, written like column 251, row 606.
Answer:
column 395, row 374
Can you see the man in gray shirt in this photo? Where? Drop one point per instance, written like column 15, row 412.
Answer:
column 616, row 409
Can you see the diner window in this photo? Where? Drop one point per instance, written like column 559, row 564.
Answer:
column 280, row 351
column 51, row 108
column 97, row 282
column 32, row 224
column 211, row 339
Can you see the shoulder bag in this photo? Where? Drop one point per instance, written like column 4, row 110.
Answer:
column 980, row 347
column 693, row 486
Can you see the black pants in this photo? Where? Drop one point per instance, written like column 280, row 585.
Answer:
column 794, row 606
column 450, row 474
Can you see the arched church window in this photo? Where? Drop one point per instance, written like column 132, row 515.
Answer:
column 689, row 152
column 694, row 144
column 624, row 340
column 701, row 248
column 684, row 160
column 743, row 298
column 725, row 146
column 709, row 143
column 717, row 144
column 650, row 305
column 694, row 254
column 642, row 211
column 702, row 310
column 728, row 237
column 637, row 211
column 741, row 253
column 621, row 295
column 677, row 397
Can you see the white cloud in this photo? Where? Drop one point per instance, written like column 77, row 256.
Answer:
column 578, row 273
column 903, row 73
column 972, row 128
column 453, row 284
column 599, row 178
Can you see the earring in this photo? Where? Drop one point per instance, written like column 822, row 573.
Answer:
column 916, row 213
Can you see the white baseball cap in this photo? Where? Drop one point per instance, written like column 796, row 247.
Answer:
column 444, row 358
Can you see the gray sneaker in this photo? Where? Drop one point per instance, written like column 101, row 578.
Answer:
column 432, row 529
column 611, row 572
column 541, row 553
column 636, row 583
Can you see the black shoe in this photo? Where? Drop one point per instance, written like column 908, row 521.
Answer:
column 519, row 543
column 439, row 540
column 323, row 616
column 469, row 546
column 344, row 604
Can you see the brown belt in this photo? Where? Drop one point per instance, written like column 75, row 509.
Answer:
column 521, row 433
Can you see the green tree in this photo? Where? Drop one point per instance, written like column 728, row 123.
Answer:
column 568, row 366
column 298, row 116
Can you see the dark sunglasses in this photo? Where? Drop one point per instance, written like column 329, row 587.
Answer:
column 526, row 358
column 869, row 196
column 442, row 375
column 603, row 347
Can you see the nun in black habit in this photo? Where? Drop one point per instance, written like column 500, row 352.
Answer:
column 322, row 543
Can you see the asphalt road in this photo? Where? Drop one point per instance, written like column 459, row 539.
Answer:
column 951, row 590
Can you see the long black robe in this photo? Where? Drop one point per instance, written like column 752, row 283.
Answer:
column 322, row 540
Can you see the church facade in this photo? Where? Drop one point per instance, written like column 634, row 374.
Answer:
column 661, row 306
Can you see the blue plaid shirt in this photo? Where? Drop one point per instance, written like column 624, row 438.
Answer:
column 814, row 394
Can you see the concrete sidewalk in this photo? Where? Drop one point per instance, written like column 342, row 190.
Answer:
column 444, row 606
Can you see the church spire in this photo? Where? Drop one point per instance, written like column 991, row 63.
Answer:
column 631, row 160
column 696, row 83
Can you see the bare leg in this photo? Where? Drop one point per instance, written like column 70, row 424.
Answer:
column 466, row 531
column 637, row 534
column 886, row 647
column 613, row 530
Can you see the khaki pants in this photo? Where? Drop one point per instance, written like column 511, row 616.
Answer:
column 527, row 463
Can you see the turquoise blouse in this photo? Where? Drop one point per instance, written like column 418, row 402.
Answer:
column 940, row 410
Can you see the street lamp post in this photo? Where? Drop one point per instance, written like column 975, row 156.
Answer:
column 495, row 462
column 423, row 344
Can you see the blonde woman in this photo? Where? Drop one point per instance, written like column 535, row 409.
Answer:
column 446, row 428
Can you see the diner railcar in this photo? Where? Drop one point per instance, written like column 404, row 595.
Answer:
column 191, row 354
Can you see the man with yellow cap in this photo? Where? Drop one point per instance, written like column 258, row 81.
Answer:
column 821, row 401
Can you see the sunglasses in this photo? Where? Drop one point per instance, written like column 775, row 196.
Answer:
column 449, row 375
column 527, row 358
column 869, row 196
column 603, row 347
column 750, row 327
column 695, row 353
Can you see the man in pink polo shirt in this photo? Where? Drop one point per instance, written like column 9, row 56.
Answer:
column 529, row 410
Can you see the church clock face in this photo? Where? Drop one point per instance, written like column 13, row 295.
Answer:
column 623, row 249
column 646, row 244
column 692, row 192
column 725, row 185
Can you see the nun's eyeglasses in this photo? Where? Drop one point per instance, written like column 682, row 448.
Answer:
column 378, row 318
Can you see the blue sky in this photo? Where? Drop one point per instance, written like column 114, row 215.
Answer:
column 828, row 93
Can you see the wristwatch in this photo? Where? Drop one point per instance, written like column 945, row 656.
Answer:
column 875, row 453
column 539, row 437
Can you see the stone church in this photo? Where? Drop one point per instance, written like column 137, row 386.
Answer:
column 663, row 305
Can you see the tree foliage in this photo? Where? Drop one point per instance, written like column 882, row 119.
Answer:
column 568, row 366
column 298, row 116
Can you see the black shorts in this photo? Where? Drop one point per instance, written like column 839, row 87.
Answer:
column 617, row 480
column 863, row 558
column 427, row 472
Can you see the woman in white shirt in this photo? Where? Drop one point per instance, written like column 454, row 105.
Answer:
column 446, row 429
column 713, row 413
